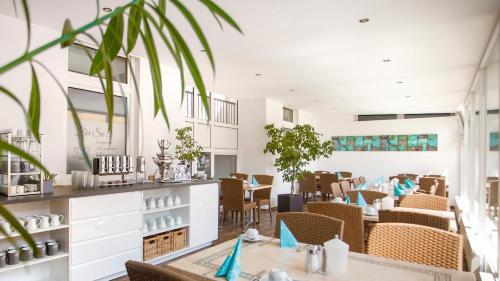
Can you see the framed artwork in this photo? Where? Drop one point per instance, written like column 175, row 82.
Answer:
column 413, row 142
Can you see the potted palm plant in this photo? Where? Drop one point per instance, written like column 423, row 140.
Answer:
column 187, row 149
column 294, row 150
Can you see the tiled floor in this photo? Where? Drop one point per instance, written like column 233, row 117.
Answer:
column 231, row 230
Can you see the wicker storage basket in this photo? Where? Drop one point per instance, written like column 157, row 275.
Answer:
column 165, row 243
column 180, row 239
column 151, row 249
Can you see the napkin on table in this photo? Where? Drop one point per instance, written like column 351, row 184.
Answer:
column 231, row 267
column 409, row 184
column 360, row 201
column 254, row 181
column 287, row 240
column 398, row 190
column 348, row 200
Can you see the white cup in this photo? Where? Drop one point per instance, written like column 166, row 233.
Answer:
column 252, row 233
column 371, row 210
column 145, row 227
column 177, row 200
column 160, row 203
column 151, row 203
column 5, row 225
column 32, row 223
column 44, row 221
column 337, row 200
column 162, row 223
column 153, row 225
column 21, row 132
column 19, row 189
column 170, row 201
column 179, row 220
column 56, row 219
column 171, row 221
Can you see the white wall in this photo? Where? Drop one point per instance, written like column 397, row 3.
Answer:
column 387, row 163
column 54, row 107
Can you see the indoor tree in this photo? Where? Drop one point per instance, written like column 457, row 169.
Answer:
column 294, row 150
column 187, row 149
column 145, row 21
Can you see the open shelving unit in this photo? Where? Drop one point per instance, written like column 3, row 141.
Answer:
column 158, row 210
column 22, row 264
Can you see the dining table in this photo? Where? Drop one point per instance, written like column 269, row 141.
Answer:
column 447, row 214
column 259, row 258
column 251, row 188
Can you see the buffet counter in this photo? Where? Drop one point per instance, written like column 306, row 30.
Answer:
column 100, row 229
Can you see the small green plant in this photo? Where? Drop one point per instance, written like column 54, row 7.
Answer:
column 187, row 149
column 294, row 149
column 49, row 177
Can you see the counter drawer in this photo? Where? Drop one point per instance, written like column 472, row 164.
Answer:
column 104, row 267
column 102, row 205
column 88, row 251
column 105, row 226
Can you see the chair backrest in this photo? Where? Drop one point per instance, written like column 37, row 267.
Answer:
column 320, row 172
column 138, row 271
column 425, row 183
column 233, row 196
column 362, row 180
column 416, row 243
column 346, row 186
column 440, row 187
column 325, row 182
column 266, row 180
column 369, row 195
column 414, row 218
column 355, row 182
column 310, row 228
column 436, row 176
column 239, row 176
column 424, row 201
column 402, row 179
column 336, row 190
column 352, row 216
column 493, row 194
column 308, row 183
column 413, row 177
column 345, row 174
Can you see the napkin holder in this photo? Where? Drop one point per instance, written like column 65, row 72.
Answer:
column 336, row 254
column 387, row 203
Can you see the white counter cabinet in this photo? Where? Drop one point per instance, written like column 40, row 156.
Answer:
column 102, row 229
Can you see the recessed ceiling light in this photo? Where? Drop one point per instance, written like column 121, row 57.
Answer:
column 400, row 82
column 292, row 90
column 333, row 108
column 107, row 9
column 386, row 60
column 364, row 20
column 258, row 74
column 407, row 96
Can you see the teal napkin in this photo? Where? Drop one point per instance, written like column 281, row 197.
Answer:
column 361, row 200
column 287, row 240
column 398, row 190
column 409, row 184
column 231, row 267
column 363, row 186
column 254, row 181
column 348, row 200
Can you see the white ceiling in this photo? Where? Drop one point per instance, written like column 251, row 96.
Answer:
column 319, row 49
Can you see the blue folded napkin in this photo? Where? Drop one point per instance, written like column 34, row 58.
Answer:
column 348, row 200
column 254, row 181
column 363, row 186
column 361, row 200
column 287, row 240
column 231, row 267
column 409, row 184
column 399, row 190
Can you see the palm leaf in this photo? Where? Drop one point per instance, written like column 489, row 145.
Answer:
column 111, row 44
column 197, row 29
column 154, row 65
column 67, row 29
column 214, row 8
column 134, row 24
column 28, row 22
column 34, row 106
column 162, row 5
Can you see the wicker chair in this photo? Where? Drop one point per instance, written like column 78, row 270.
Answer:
column 346, row 186
column 352, row 216
column 440, row 187
column 310, row 228
column 239, row 176
column 138, row 271
column 413, row 177
column 414, row 218
column 263, row 197
column 325, row 183
column 416, row 243
column 336, row 190
column 308, row 185
column 345, row 174
column 369, row 195
column 355, row 182
column 424, row 201
column 425, row 184
column 233, row 199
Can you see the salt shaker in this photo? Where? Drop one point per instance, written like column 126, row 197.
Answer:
column 312, row 259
